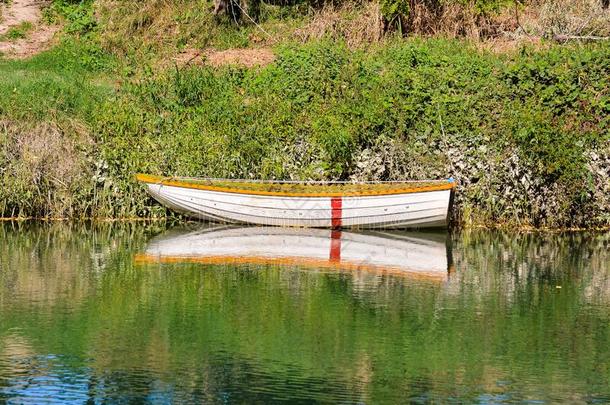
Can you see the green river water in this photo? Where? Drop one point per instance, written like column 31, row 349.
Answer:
column 513, row 318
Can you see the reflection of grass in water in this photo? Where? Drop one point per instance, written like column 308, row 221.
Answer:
column 502, row 320
column 17, row 32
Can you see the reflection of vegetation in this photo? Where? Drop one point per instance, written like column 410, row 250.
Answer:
column 499, row 327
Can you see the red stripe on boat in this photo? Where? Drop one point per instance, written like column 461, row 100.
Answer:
column 336, row 204
column 335, row 246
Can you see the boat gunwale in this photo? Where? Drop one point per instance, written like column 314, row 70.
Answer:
column 189, row 183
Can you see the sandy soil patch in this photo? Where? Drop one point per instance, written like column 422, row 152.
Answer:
column 248, row 57
column 19, row 11
column 37, row 40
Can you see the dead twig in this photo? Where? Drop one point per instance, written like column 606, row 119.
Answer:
column 566, row 38
column 518, row 21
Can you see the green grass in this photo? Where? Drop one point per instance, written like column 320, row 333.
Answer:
column 59, row 81
column 17, row 32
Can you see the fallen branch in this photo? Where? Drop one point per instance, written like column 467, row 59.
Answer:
column 566, row 38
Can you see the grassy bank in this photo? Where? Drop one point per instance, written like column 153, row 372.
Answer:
column 526, row 134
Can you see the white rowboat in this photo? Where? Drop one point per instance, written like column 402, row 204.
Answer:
column 419, row 204
column 416, row 255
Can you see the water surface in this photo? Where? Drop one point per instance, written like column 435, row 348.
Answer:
column 503, row 318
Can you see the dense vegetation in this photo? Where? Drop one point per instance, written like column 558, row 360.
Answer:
column 526, row 134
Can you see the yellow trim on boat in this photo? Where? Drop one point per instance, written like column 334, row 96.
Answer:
column 400, row 188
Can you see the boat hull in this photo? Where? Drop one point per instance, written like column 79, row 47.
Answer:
column 409, row 210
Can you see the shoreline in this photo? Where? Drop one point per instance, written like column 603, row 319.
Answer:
column 454, row 227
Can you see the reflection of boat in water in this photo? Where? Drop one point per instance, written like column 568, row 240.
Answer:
column 413, row 254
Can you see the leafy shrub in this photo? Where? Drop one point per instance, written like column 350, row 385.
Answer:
column 78, row 15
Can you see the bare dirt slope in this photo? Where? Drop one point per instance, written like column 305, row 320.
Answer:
column 16, row 13
column 248, row 57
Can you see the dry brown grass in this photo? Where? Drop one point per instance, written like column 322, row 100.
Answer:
column 515, row 26
column 165, row 26
column 571, row 17
column 511, row 44
column 359, row 25
column 537, row 18
column 355, row 25
column 143, row 24
column 453, row 20
column 43, row 165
